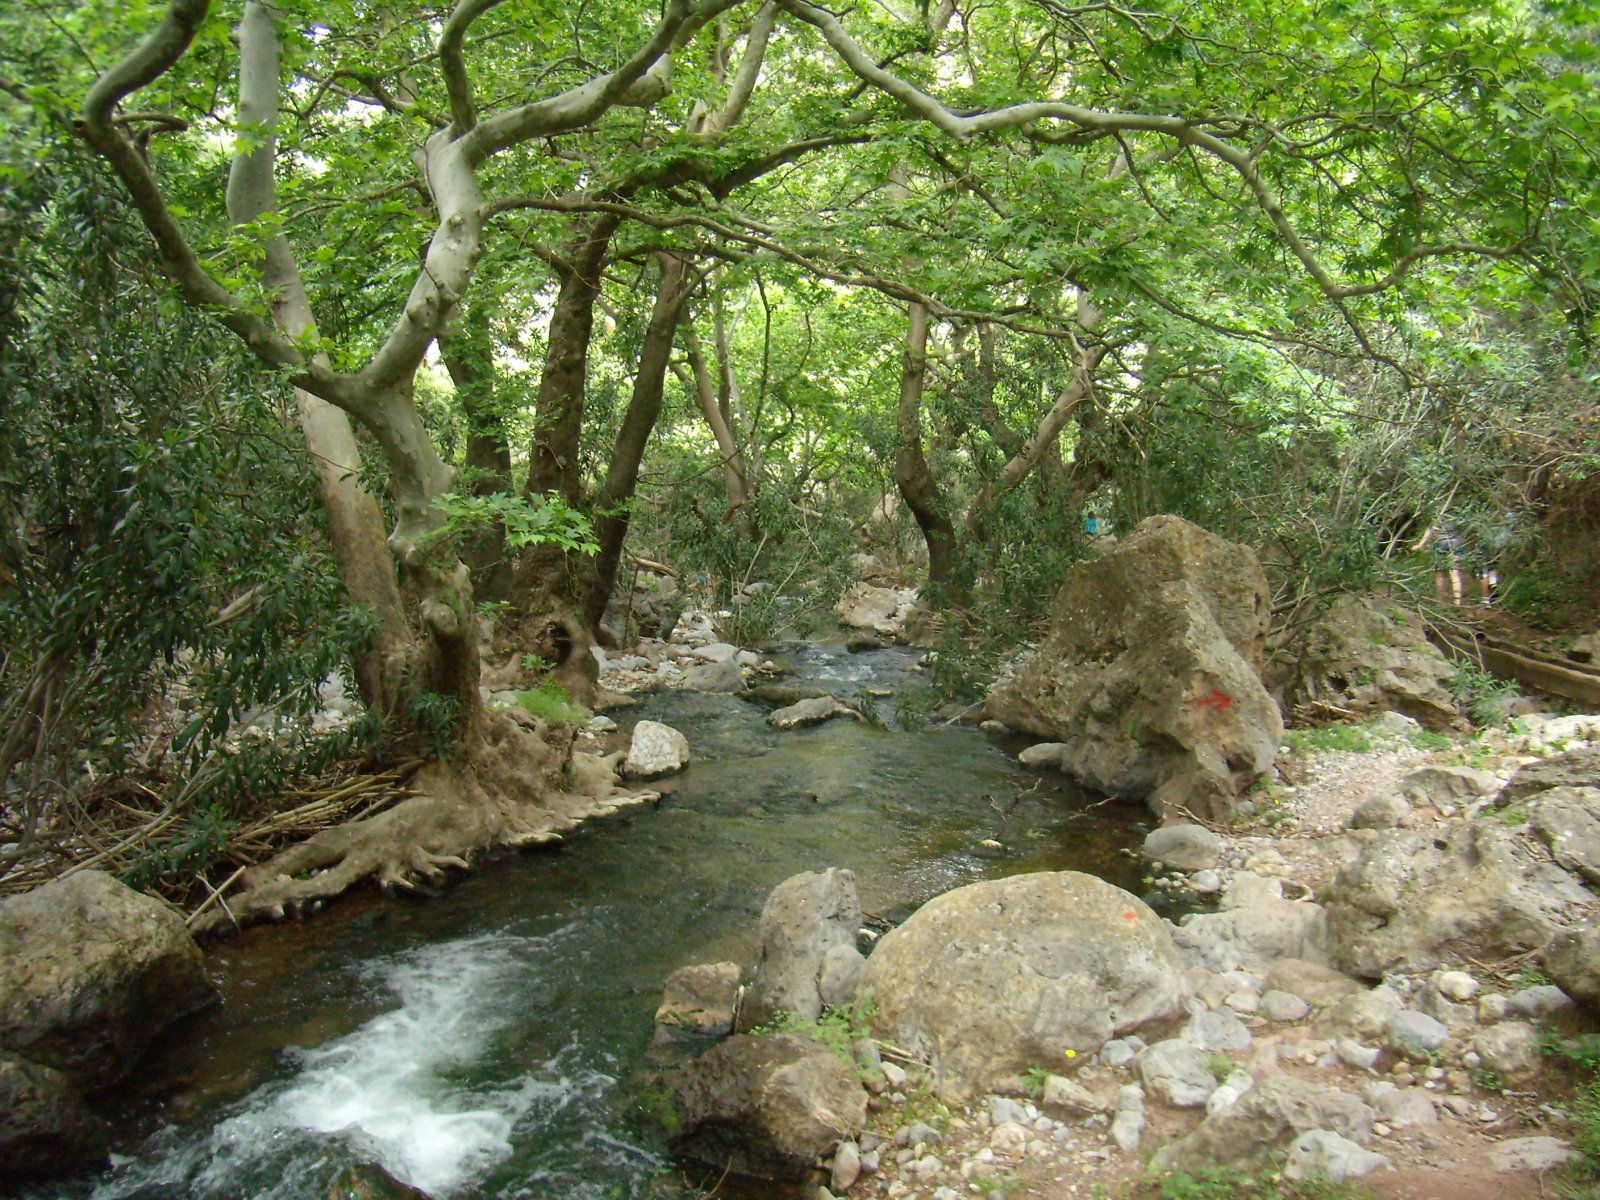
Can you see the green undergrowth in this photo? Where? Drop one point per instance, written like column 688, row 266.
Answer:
column 1580, row 1178
column 1483, row 696
column 1360, row 738
column 551, row 702
column 837, row 1030
column 1234, row 1183
column 1353, row 739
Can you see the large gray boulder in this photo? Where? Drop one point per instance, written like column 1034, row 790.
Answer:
column 1251, row 932
column 1573, row 961
column 1266, row 1118
column 997, row 977
column 1472, row 890
column 90, row 972
column 45, row 1129
column 807, row 917
column 770, row 1106
column 1149, row 673
column 1364, row 654
column 1568, row 819
column 881, row 610
column 1575, row 768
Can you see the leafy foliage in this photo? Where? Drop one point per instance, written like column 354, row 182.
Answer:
column 537, row 521
column 160, row 534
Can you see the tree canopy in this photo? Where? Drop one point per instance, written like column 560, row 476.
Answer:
column 744, row 281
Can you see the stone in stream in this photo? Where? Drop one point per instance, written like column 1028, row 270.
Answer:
column 807, row 917
column 370, row 1182
column 45, row 1128
column 656, row 750
column 1149, row 672
column 90, row 972
column 810, row 712
column 718, row 677
column 1041, row 756
column 698, row 1001
column 771, row 1106
column 880, row 610
column 1186, row 847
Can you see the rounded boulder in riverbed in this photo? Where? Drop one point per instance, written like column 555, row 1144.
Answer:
column 997, row 977
column 1183, row 847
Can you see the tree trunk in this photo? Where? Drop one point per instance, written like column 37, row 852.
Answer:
column 558, row 415
column 468, row 356
column 911, row 473
column 360, row 550
column 355, row 521
column 622, row 476
column 1043, row 444
column 734, row 479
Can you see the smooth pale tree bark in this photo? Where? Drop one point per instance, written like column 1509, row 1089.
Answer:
column 493, row 791
column 355, row 522
column 717, row 413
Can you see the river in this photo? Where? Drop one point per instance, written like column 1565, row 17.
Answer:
column 494, row 1040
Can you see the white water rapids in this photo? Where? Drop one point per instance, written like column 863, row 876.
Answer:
column 405, row 1090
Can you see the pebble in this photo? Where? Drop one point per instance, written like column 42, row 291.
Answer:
column 846, row 1166
column 1283, row 1006
column 1457, row 986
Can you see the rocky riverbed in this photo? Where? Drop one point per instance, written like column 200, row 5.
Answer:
column 1433, row 1077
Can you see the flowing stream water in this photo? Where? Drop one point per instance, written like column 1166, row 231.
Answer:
column 495, row 1040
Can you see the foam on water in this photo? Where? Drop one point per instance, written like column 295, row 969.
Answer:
column 394, row 1091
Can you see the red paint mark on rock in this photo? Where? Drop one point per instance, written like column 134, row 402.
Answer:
column 1130, row 915
column 1217, row 700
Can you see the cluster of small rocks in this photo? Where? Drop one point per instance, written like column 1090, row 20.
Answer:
column 1430, row 1068
column 1342, row 1079
column 693, row 660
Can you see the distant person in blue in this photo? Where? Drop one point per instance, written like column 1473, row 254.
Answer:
column 1091, row 525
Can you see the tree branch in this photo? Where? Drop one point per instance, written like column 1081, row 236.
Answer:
column 762, row 240
column 453, row 66
column 635, row 83
column 147, row 62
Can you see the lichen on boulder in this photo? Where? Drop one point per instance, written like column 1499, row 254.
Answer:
column 994, row 978
column 1362, row 655
column 1148, row 675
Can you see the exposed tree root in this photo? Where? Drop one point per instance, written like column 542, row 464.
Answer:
column 518, row 784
